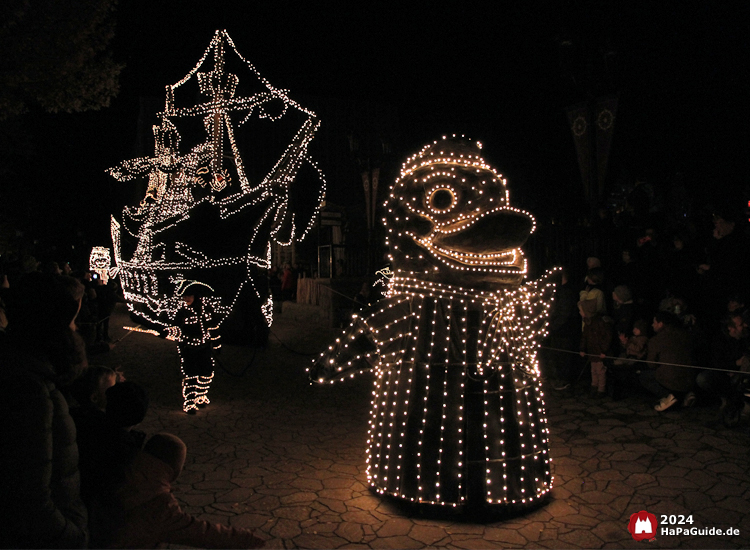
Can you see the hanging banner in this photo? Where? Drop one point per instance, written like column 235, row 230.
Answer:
column 366, row 185
column 375, row 178
column 606, row 110
column 592, row 129
column 578, row 118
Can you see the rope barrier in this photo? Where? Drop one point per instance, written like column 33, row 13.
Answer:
column 586, row 354
column 283, row 345
column 87, row 323
column 559, row 350
column 658, row 363
column 138, row 328
column 337, row 292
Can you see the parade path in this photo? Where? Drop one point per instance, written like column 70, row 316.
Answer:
column 287, row 459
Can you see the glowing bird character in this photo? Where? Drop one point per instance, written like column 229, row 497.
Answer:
column 457, row 413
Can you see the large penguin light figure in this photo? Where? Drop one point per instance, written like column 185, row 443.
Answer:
column 457, row 410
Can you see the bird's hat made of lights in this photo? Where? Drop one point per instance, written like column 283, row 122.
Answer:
column 448, row 218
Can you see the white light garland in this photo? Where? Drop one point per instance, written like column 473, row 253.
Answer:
column 457, row 404
column 100, row 261
column 160, row 243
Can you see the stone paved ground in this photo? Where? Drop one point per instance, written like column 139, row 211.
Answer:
column 286, row 459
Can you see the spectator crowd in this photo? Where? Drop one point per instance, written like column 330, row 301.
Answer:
column 75, row 472
column 668, row 317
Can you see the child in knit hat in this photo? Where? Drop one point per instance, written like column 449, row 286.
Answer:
column 595, row 341
column 623, row 311
column 593, row 290
column 152, row 515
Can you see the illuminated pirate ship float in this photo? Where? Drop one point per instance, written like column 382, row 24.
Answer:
column 215, row 204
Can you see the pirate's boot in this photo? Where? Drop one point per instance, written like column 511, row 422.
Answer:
column 201, row 399
column 191, row 391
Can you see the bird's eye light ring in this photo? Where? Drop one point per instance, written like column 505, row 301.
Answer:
column 442, row 200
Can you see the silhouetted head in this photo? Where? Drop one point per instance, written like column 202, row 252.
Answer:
column 168, row 448
column 41, row 311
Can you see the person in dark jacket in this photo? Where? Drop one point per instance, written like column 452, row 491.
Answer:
column 564, row 332
column 727, row 262
column 623, row 312
column 88, row 413
column 670, row 347
column 39, row 479
column 109, row 453
column 730, row 353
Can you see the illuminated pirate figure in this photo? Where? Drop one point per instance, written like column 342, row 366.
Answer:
column 213, row 208
column 457, row 412
column 195, row 332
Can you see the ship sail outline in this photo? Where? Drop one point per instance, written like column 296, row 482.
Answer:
column 174, row 178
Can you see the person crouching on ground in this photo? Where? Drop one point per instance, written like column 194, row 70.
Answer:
column 595, row 341
column 671, row 347
column 152, row 514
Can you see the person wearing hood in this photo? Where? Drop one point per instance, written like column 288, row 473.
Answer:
column 152, row 516
column 40, row 485
column 593, row 289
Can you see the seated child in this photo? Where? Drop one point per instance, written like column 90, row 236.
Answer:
column 624, row 374
column 633, row 347
column 88, row 413
column 152, row 515
column 106, row 451
column 127, row 404
column 88, row 390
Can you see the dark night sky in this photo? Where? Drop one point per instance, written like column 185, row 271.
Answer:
column 497, row 74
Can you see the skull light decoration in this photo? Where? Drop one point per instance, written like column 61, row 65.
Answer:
column 100, row 261
column 457, row 412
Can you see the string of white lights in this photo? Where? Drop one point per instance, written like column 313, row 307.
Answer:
column 457, row 401
column 202, row 219
column 182, row 183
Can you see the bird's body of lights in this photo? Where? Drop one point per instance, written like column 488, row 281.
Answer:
column 457, row 406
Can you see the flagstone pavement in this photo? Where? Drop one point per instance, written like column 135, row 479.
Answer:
column 286, row 459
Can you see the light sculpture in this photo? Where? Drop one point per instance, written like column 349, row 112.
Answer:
column 457, row 413
column 100, row 262
column 212, row 207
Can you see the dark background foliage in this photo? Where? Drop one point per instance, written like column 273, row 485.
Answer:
column 383, row 73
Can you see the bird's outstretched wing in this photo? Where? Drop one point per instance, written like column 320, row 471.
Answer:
column 541, row 293
column 354, row 351
column 370, row 342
